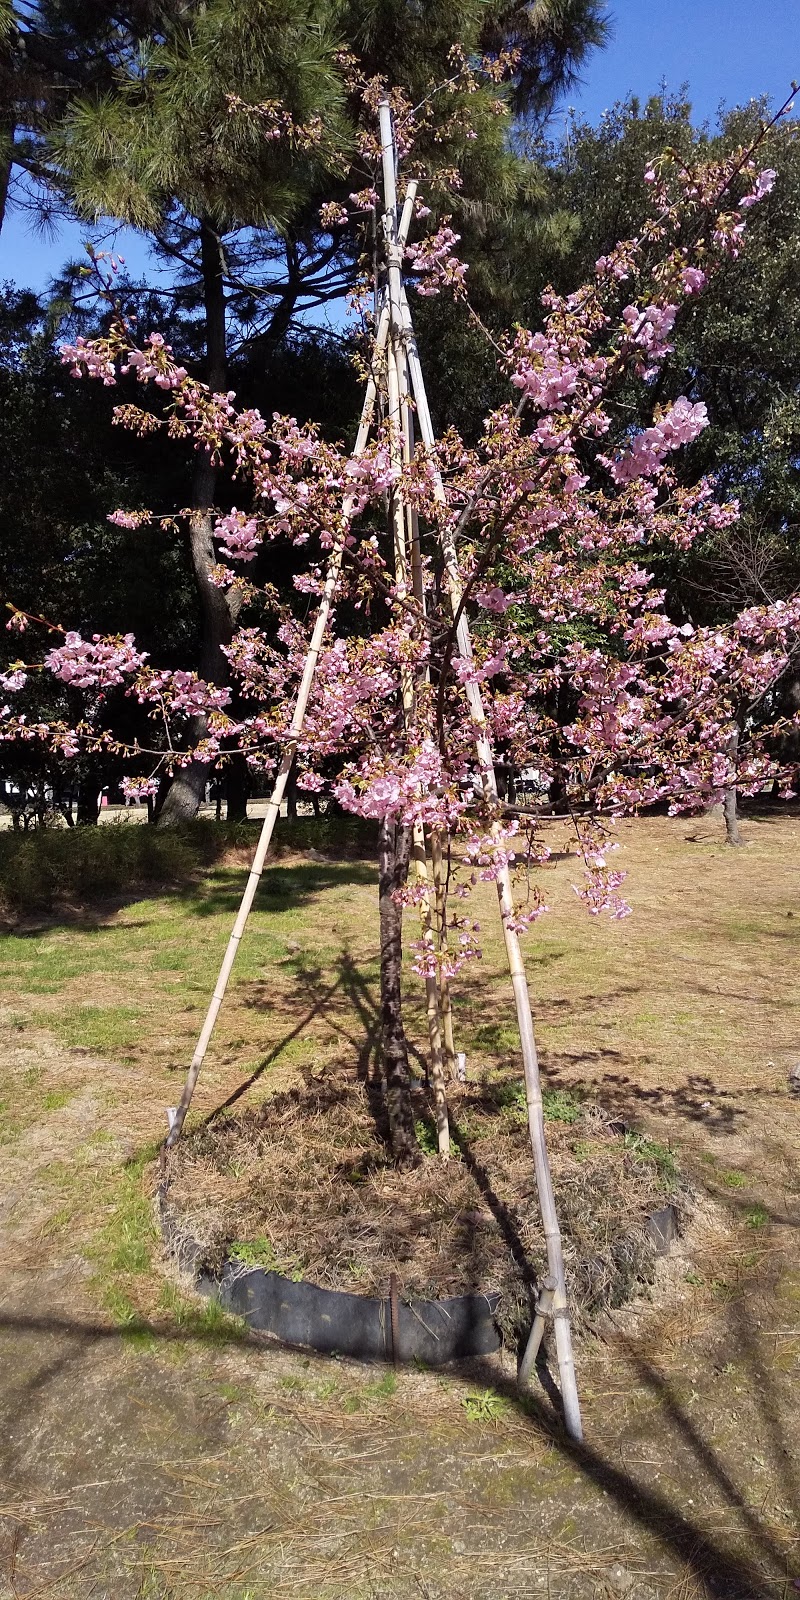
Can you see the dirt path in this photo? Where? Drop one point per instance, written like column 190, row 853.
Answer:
column 142, row 1461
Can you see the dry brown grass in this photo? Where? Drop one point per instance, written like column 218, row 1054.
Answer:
column 181, row 1445
column 305, row 1185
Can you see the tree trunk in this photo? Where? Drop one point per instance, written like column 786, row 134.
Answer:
column 732, row 834
column 394, row 857
column 237, row 788
column 88, row 800
column 291, row 793
column 217, row 612
column 7, row 131
column 187, row 788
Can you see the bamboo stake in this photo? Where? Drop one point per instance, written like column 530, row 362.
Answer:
column 274, row 803
column 397, row 385
column 276, row 798
column 398, row 388
column 544, row 1309
column 533, row 1088
column 433, row 978
column 439, row 940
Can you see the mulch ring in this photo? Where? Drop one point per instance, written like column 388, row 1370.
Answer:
column 304, row 1185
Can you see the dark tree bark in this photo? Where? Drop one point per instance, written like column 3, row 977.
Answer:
column 394, row 857
column 88, row 800
column 729, row 808
column 218, row 611
column 291, row 791
column 237, row 788
column 7, row 131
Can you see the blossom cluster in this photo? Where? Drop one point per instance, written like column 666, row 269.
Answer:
column 436, row 261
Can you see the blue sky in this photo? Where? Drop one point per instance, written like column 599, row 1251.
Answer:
column 726, row 50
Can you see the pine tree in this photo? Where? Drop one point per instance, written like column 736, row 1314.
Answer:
column 163, row 147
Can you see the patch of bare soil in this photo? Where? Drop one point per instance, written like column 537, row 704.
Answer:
column 305, row 1185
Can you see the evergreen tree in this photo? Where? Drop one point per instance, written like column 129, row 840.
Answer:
column 177, row 144
column 737, row 349
column 66, row 466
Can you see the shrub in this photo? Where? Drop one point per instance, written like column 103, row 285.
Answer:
column 56, row 866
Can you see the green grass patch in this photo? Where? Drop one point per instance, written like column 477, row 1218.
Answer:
column 135, row 1328
column 125, row 979
column 101, row 1028
column 558, row 1105
column 11, row 1123
column 55, row 1099
column 653, row 1151
column 425, row 1135
column 261, row 1253
column 485, row 1406
column 383, row 1388
column 122, row 1249
column 204, row 1320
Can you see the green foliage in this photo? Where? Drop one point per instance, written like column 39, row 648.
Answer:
column 653, row 1151
column 485, row 1406
column 425, row 1134
column 38, row 869
column 260, row 1252
column 558, row 1105
column 79, row 865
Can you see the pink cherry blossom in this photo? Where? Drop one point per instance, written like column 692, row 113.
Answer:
column 97, row 663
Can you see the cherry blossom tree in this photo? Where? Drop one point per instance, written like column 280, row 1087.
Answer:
column 553, row 514
column 540, row 536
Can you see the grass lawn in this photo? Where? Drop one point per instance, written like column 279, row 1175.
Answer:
column 668, row 1017
column 685, row 1018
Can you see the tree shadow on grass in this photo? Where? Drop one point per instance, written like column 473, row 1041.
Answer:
column 281, row 887
column 346, row 1001
column 712, row 1559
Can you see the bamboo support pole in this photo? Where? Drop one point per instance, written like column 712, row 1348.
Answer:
column 544, row 1309
column 533, row 1088
column 431, row 910
column 397, row 512
column 404, row 548
column 427, row 914
column 397, row 386
column 290, row 748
